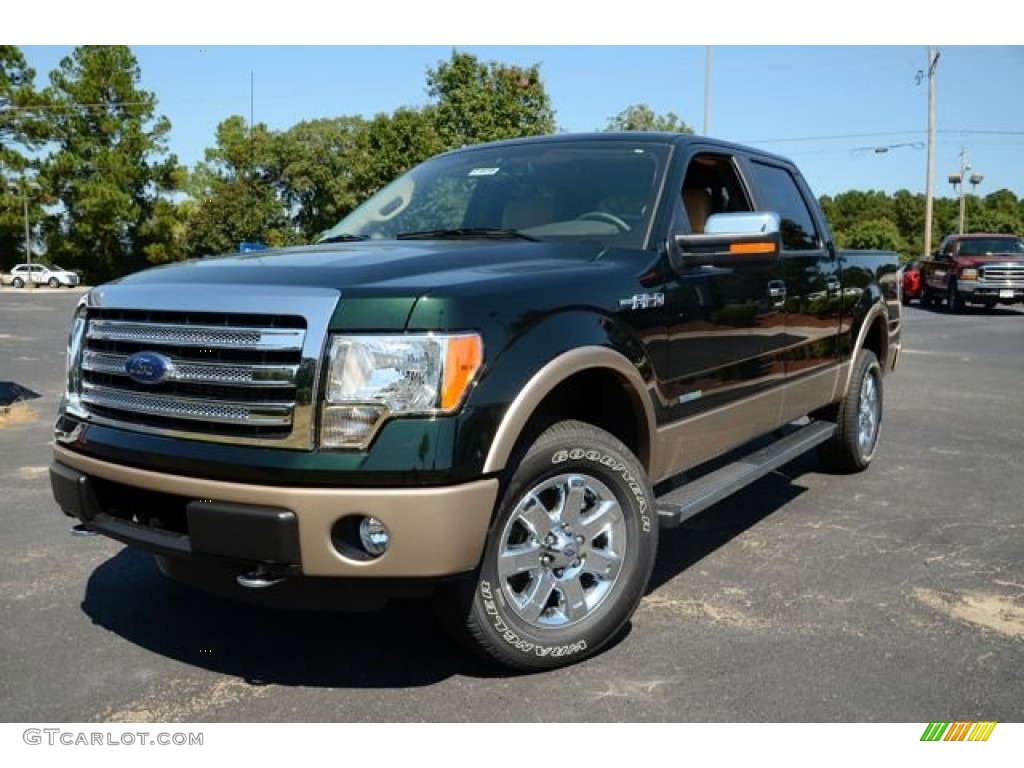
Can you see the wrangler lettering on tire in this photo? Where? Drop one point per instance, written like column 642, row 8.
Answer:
column 569, row 554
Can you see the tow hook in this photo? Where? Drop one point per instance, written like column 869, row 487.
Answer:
column 81, row 530
column 260, row 578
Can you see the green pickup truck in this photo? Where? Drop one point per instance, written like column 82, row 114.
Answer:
column 491, row 383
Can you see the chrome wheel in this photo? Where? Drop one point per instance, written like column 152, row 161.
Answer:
column 869, row 413
column 562, row 550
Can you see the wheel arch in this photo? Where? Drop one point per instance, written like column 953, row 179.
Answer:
column 593, row 384
column 874, row 335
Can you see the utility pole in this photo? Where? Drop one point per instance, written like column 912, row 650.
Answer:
column 707, row 89
column 933, row 62
column 28, row 235
column 251, row 235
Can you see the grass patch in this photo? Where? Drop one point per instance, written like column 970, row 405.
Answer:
column 16, row 414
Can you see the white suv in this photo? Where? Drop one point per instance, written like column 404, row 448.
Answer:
column 40, row 274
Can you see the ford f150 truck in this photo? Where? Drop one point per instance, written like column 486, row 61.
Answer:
column 485, row 384
column 974, row 269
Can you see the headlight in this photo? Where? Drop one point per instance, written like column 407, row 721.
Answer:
column 969, row 274
column 73, row 365
column 371, row 378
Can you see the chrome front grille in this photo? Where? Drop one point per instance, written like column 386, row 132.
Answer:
column 230, row 375
column 195, row 410
column 1011, row 274
column 202, row 373
column 198, row 336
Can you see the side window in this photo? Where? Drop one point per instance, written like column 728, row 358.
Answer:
column 778, row 191
column 712, row 185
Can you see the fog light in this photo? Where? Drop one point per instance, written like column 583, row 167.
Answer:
column 374, row 536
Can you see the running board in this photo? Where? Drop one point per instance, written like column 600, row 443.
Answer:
column 693, row 498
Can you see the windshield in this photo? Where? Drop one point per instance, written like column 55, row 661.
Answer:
column 588, row 190
column 981, row 246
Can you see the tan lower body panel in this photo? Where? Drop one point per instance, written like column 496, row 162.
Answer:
column 686, row 444
column 434, row 531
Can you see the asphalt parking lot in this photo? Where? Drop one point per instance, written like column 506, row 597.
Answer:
column 896, row 595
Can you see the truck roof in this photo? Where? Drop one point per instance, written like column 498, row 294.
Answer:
column 659, row 137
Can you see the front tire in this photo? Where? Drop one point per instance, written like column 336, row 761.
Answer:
column 954, row 302
column 568, row 556
column 18, row 282
column 53, row 282
column 859, row 418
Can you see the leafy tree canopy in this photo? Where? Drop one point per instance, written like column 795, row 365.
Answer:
column 110, row 165
column 479, row 102
column 640, row 117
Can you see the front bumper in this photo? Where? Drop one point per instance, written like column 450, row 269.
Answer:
column 980, row 290
column 435, row 532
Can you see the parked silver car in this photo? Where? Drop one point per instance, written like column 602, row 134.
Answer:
column 41, row 274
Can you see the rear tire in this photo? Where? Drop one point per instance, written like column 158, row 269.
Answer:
column 859, row 419
column 568, row 556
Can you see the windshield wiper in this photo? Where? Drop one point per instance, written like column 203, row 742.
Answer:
column 343, row 238
column 466, row 232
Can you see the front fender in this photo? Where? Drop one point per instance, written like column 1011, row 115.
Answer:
column 536, row 361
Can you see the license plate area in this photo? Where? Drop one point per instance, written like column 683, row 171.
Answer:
column 1006, row 293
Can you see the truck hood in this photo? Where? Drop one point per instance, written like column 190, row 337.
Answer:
column 383, row 267
column 995, row 258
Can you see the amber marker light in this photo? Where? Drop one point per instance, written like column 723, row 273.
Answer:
column 463, row 357
column 743, row 249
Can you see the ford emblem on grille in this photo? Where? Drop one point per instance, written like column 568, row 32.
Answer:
column 149, row 367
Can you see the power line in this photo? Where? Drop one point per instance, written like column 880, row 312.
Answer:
column 968, row 131
column 957, row 131
column 835, row 136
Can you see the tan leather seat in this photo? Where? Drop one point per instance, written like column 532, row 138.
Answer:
column 697, row 202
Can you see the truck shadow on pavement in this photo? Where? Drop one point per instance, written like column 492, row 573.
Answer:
column 403, row 645
column 698, row 537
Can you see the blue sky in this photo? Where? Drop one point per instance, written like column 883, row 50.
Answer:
column 827, row 107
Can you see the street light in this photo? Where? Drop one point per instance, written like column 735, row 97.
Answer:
column 976, row 179
column 960, row 180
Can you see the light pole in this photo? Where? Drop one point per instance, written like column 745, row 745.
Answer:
column 961, row 180
column 933, row 62
column 24, row 188
column 976, row 179
column 707, row 89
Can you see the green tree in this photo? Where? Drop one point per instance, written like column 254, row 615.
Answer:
column 640, row 117
column 235, row 192
column 478, row 102
column 391, row 144
column 316, row 163
column 873, row 234
column 110, row 169
column 20, row 130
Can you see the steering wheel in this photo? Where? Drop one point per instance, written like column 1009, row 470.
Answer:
column 608, row 218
